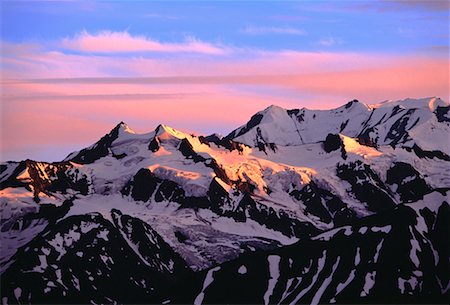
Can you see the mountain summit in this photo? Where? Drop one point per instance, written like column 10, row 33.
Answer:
column 387, row 123
column 348, row 205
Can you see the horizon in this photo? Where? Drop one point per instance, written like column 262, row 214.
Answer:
column 72, row 69
column 196, row 133
column 224, row 151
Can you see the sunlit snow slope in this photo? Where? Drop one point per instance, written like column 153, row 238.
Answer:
column 297, row 205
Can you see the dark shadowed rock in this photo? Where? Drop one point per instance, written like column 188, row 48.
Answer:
column 254, row 121
column 11, row 180
column 298, row 114
column 222, row 204
column 188, row 151
column 124, row 262
column 429, row 154
column 367, row 262
column 145, row 185
column 398, row 133
column 57, row 177
column 332, row 142
column 230, row 145
column 169, row 191
column 154, row 144
column 351, row 103
column 321, row 203
column 366, row 186
column 99, row 149
column 442, row 113
column 410, row 185
column 214, row 138
column 142, row 186
column 218, row 170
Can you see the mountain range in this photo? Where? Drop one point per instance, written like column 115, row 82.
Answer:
column 299, row 206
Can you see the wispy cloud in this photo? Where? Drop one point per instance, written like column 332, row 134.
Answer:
column 399, row 5
column 406, row 32
column 366, row 75
column 445, row 49
column 204, row 93
column 123, row 42
column 329, row 41
column 432, row 5
column 263, row 30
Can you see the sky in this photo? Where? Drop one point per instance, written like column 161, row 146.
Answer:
column 72, row 70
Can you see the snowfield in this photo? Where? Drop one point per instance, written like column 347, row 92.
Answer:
column 180, row 205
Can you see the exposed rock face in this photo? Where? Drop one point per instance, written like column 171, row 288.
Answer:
column 410, row 185
column 381, row 258
column 323, row 204
column 348, row 205
column 442, row 114
column 125, row 262
column 99, row 149
column 388, row 123
column 332, row 142
column 154, row 144
column 42, row 177
column 366, row 186
column 254, row 121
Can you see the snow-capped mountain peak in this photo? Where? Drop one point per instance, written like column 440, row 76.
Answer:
column 397, row 123
column 163, row 132
column 353, row 105
column 342, row 205
column 124, row 128
column 272, row 110
column 430, row 103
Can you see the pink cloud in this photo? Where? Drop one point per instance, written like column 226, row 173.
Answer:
column 66, row 121
column 370, row 81
column 55, row 109
column 28, row 61
column 410, row 77
column 123, row 42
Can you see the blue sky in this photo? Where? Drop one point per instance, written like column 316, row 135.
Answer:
column 388, row 26
column 71, row 70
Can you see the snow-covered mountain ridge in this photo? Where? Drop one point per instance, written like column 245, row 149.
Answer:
column 187, row 207
column 395, row 123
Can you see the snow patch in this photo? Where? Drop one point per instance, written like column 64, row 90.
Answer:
column 385, row 229
column 377, row 251
column 320, row 265
column 341, row 286
column 346, row 230
column 415, row 248
column 325, row 283
column 242, row 270
column 208, row 280
column 274, row 273
column 357, row 256
column 412, row 281
column 362, row 230
column 369, row 282
column 18, row 293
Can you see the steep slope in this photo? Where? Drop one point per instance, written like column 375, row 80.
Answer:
column 123, row 262
column 395, row 257
column 171, row 201
column 395, row 123
column 300, row 126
